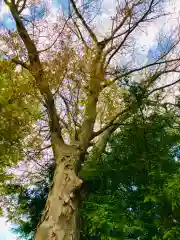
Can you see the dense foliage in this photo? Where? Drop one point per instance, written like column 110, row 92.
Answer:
column 129, row 193
column 18, row 111
column 29, row 202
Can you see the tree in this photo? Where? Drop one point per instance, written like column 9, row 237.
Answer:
column 82, row 98
column 128, row 195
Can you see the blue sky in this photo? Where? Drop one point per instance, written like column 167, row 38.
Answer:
column 7, row 21
column 165, row 43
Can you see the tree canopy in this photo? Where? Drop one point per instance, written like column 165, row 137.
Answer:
column 19, row 111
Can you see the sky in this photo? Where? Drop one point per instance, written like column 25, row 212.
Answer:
column 7, row 20
column 146, row 38
column 5, row 231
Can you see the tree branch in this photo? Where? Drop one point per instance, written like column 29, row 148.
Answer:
column 139, row 69
column 80, row 34
column 130, row 30
column 59, row 34
column 91, row 33
column 163, row 87
column 22, row 7
column 163, row 105
column 98, row 147
column 19, row 62
column 111, row 123
column 107, row 40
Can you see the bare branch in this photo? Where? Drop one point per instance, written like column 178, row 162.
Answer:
column 163, row 105
column 130, row 30
column 40, row 149
column 17, row 61
column 80, row 34
column 64, row 123
column 66, row 103
column 70, row 112
column 163, row 87
column 156, row 63
column 92, row 34
column 107, row 40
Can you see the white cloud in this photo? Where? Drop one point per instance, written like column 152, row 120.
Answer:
column 103, row 22
column 3, row 10
column 26, row 11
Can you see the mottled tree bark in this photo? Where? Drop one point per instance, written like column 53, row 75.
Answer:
column 60, row 219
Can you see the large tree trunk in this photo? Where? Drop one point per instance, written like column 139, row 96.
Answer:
column 60, row 219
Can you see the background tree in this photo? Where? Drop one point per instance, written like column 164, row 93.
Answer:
column 128, row 195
